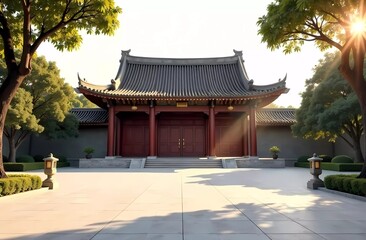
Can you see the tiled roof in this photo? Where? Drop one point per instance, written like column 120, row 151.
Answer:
column 168, row 78
column 91, row 116
column 265, row 116
column 276, row 117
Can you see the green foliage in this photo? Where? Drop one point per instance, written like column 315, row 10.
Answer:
column 20, row 114
column 16, row 183
column 342, row 159
column 289, row 23
column 303, row 159
column 346, row 183
column 64, row 19
column 329, row 107
column 274, row 149
column 339, row 167
column 38, row 158
column 25, row 159
column 69, row 127
column 25, row 25
column 41, row 105
column 302, row 164
column 21, row 167
column 325, row 158
column 88, row 150
column 61, row 158
column 82, row 102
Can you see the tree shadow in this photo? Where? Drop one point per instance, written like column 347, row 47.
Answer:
column 226, row 204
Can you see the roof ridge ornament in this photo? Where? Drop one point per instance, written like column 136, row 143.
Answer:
column 238, row 53
column 126, row 52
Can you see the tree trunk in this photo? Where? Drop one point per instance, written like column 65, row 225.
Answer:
column 363, row 171
column 2, row 123
column 358, row 151
column 12, row 149
column 7, row 92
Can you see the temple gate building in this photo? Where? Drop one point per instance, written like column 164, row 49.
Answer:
column 166, row 107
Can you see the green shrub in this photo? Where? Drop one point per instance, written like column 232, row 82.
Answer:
column 346, row 183
column 340, row 167
column 302, row 164
column 61, row 158
column 25, row 159
column 342, row 159
column 303, row 159
column 21, row 167
column 325, row 158
column 36, row 181
column 19, row 183
column 38, row 158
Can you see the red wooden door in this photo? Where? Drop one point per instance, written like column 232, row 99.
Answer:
column 229, row 136
column 134, row 135
column 169, row 139
column 181, row 136
column 193, row 141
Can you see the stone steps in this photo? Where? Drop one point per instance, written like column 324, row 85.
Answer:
column 182, row 163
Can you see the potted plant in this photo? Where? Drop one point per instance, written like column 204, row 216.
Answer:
column 88, row 152
column 274, row 150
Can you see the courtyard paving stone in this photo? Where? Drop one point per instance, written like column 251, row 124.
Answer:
column 185, row 204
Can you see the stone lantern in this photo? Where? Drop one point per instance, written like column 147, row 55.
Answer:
column 50, row 164
column 315, row 170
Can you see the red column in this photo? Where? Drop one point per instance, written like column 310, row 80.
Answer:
column 211, row 132
column 152, row 131
column 111, row 132
column 253, row 132
column 118, row 136
column 245, row 136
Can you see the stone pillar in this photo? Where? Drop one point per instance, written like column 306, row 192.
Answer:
column 253, row 132
column 111, row 131
column 152, row 131
column 211, row 131
column 245, row 135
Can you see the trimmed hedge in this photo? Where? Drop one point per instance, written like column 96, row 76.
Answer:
column 340, row 167
column 325, row 158
column 303, row 159
column 38, row 158
column 346, row 183
column 21, row 167
column 25, row 159
column 342, row 159
column 16, row 183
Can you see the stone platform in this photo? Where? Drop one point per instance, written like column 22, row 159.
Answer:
column 136, row 163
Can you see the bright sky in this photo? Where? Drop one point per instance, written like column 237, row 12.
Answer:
column 188, row 29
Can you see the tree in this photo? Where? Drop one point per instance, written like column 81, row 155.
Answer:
column 329, row 108
column 288, row 24
column 26, row 24
column 41, row 105
column 82, row 102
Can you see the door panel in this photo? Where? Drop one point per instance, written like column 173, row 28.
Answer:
column 193, row 141
column 181, row 136
column 229, row 136
column 134, row 136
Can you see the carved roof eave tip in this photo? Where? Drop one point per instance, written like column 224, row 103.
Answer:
column 238, row 53
column 126, row 52
column 284, row 79
column 81, row 80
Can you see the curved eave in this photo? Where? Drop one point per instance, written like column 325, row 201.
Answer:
column 83, row 83
column 106, row 94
